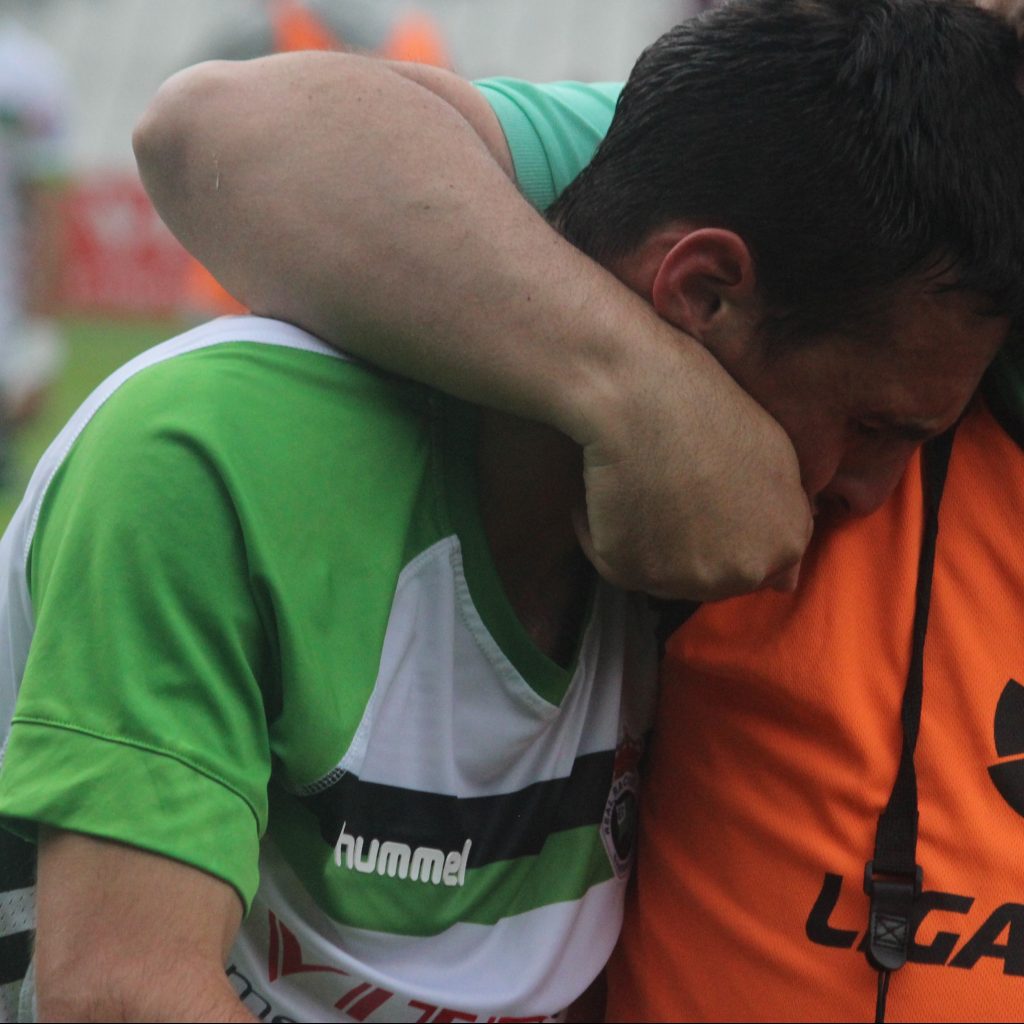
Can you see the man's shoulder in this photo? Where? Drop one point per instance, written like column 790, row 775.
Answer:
column 214, row 353
column 552, row 129
column 574, row 104
column 241, row 378
column 253, row 410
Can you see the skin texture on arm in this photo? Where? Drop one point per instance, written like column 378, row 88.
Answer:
column 372, row 205
column 126, row 935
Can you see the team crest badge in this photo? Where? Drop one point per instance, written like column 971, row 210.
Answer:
column 619, row 824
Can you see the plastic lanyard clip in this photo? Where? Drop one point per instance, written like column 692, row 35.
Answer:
column 892, row 897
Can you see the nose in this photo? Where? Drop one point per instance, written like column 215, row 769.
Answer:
column 858, row 489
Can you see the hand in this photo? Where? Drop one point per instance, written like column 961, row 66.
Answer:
column 1011, row 10
column 692, row 489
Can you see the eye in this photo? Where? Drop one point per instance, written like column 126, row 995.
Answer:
column 868, row 430
column 885, row 435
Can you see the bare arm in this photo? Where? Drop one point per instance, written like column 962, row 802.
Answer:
column 368, row 228
column 126, row 935
column 372, row 205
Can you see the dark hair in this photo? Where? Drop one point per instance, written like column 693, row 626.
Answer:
column 852, row 144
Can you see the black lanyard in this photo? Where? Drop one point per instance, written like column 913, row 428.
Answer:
column 892, row 878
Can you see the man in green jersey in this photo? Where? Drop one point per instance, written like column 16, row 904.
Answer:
column 260, row 589
column 363, row 634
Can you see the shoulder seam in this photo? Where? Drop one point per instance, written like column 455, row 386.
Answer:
column 239, row 329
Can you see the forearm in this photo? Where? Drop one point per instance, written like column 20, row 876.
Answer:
column 430, row 263
column 125, row 935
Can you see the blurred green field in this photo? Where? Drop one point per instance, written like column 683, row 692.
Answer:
column 95, row 349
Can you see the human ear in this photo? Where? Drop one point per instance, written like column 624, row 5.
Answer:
column 705, row 280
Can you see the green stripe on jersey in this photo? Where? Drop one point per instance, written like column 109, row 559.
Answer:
column 569, row 864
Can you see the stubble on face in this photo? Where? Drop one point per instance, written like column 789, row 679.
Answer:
column 857, row 407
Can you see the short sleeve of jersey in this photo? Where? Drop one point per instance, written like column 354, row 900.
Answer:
column 140, row 707
column 552, row 130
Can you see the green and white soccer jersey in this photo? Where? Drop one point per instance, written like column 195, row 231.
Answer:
column 254, row 621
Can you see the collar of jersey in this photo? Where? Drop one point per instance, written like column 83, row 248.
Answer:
column 458, row 429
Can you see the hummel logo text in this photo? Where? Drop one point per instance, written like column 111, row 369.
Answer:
column 424, row 864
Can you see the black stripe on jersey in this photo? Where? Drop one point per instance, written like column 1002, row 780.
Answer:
column 15, row 953
column 17, row 871
column 17, row 862
column 502, row 827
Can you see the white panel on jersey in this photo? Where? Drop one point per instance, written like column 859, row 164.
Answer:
column 557, row 949
column 445, row 689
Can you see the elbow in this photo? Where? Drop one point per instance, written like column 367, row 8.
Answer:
column 172, row 131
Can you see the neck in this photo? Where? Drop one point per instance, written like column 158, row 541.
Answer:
column 530, row 479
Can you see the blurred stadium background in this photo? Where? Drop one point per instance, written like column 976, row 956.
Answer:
column 123, row 282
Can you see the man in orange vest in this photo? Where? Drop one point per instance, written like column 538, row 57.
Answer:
column 778, row 746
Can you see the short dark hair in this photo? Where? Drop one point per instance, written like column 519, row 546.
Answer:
column 852, row 144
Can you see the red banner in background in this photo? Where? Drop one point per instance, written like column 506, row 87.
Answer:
column 121, row 258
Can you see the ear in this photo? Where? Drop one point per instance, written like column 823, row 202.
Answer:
column 705, row 280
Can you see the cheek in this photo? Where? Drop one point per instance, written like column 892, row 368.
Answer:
column 884, row 460
column 868, row 475
column 818, row 470
column 810, row 407
column 821, row 447
column 893, row 465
